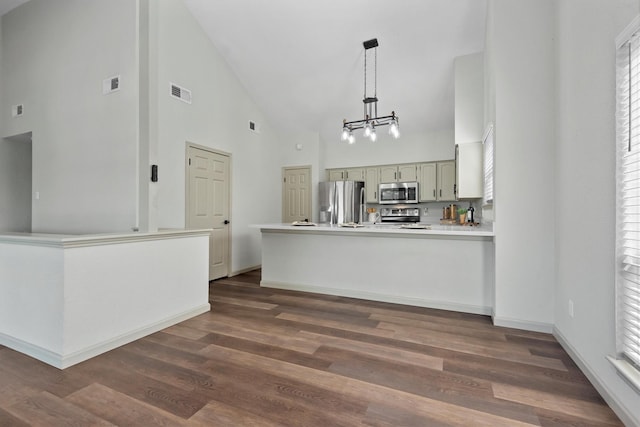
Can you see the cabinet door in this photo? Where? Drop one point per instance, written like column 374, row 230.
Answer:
column 336, row 174
column 407, row 173
column 354, row 174
column 388, row 174
column 371, row 184
column 446, row 181
column 427, row 182
column 469, row 170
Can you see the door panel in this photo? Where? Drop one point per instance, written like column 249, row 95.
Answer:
column 296, row 194
column 208, row 204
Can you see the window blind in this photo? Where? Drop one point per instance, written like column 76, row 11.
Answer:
column 628, row 200
column 488, row 164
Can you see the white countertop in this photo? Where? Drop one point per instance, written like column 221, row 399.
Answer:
column 78, row 240
column 385, row 229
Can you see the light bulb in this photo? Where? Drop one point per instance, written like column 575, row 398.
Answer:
column 345, row 133
column 367, row 130
column 393, row 129
column 373, row 135
column 351, row 138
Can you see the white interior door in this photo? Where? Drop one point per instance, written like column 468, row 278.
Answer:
column 296, row 194
column 208, row 204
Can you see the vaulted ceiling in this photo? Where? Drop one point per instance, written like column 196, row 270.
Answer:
column 302, row 61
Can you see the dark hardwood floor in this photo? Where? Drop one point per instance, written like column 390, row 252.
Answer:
column 265, row 357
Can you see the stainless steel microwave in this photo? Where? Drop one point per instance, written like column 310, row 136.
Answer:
column 393, row 193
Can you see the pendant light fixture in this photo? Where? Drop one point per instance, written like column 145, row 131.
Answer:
column 371, row 121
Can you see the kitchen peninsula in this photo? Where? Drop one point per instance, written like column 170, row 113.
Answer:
column 445, row 267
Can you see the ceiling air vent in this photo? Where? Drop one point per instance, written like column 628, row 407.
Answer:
column 110, row 85
column 179, row 92
column 17, row 110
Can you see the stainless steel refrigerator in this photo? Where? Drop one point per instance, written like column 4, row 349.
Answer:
column 341, row 202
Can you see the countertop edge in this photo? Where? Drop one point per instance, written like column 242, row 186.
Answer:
column 374, row 231
column 66, row 241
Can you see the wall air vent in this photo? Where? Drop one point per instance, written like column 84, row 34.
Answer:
column 17, row 110
column 179, row 92
column 110, row 85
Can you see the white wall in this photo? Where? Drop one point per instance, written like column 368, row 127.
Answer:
column 55, row 56
column 522, row 56
column 469, row 98
column 585, row 182
column 218, row 118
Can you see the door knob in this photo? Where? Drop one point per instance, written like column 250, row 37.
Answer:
column 226, row 221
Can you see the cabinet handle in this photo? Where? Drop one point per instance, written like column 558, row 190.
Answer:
column 434, row 192
column 395, row 176
column 375, row 195
column 441, row 192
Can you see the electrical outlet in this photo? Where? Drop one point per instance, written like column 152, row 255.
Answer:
column 571, row 308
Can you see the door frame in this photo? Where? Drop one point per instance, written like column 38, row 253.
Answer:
column 283, row 192
column 188, row 145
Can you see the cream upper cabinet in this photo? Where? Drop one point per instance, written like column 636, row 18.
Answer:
column 446, row 181
column 427, row 182
column 355, row 174
column 351, row 174
column 398, row 173
column 388, row 173
column 407, row 173
column 335, row 174
column 371, row 184
column 469, row 169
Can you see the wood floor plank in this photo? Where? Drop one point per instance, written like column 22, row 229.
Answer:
column 383, row 352
column 245, row 302
column 267, row 350
column 443, row 325
column 372, row 330
column 185, row 332
column 222, row 415
column 120, row 409
column 523, row 375
column 275, row 338
column 556, row 403
column 39, row 375
column 451, row 342
column 45, row 409
column 444, row 412
column 9, row 420
column 118, row 376
column 305, row 402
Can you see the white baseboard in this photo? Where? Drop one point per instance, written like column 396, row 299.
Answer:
column 621, row 410
column 62, row 361
column 526, row 325
column 418, row 302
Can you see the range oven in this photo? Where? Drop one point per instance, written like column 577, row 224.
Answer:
column 399, row 215
column 393, row 193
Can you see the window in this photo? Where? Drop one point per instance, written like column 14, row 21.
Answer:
column 488, row 163
column 628, row 204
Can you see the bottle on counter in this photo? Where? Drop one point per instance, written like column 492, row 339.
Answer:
column 470, row 214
